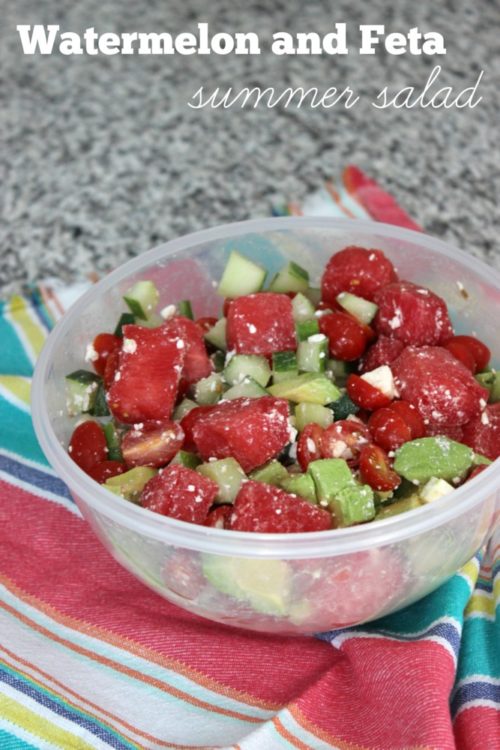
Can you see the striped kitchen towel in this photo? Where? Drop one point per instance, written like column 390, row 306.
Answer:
column 90, row 658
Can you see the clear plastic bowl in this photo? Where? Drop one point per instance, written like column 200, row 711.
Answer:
column 298, row 583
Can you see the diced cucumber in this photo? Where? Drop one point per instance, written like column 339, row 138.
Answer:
column 130, row 484
column 152, row 321
column 241, row 276
column 312, row 354
column 142, row 299
column 265, row 584
column 271, row 473
column 360, row 308
column 124, row 320
column 401, row 506
column 306, row 328
column 491, row 381
column 81, row 391
column 209, row 390
column 100, row 406
column 217, row 334
column 339, row 370
column 314, row 295
column 227, row 474
column 113, row 442
column 301, row 484
column 244, row 365
column 185, row 309
column 310, row 386
column 302, row 308
column 219, row 360
column 184, row 408
column 292, row 278
column 343, row 407
column 306, row 413
column 249, row 388
column 184, row 458
column 284, row 366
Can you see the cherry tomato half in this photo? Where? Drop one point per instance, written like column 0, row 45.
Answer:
column 309, row 445
column 88, row 446
column 152, row 444
column 364, row 394
column 375, row 470
column 346, row 336
column 344, row 439
column 104, row 344
column 389, row 429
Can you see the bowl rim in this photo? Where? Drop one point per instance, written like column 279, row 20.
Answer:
column 251, row 544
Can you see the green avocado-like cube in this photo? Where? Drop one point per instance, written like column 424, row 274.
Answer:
column 302, row 485
column 353, row 504
column 271, row 473
column 330, row 475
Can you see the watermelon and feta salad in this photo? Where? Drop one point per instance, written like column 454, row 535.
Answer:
column 300, row 409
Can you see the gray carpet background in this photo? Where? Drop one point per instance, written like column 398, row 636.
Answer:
column 101, row 157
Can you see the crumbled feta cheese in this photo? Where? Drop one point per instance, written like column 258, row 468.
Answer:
column 252, row 328
column 129, row 346
column 317, row 338
column 90, row 353
column 168, row 312
column 117, row 376
column 382, row 379
column 180, row 344
column 434, row 489
column 191, row 488
column 485, row 418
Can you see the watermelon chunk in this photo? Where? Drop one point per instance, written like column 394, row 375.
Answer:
column 179, row 492
column 382, row 352
column 264, row 508
column 197, row 363
column 358, row 271
column 261, row 323
column 145, row 383
column 412, row 314
column 482, row 433
column 444, row 391
column 252, row 430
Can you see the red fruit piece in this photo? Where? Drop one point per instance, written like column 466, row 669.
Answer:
column 347, row 337
column 308, row 445
column 344, row 439
column 252, row 430
column 88, row 446
column 187, row 423
column 412, row 314
column 261, row 323
column 196, row 363
column 441, row 388
column 110, row 368
column 263, row 508
column 411, row 416
column 382, row 352
column 205, row 324
column 347, row 589
column 375, row 470
column 482, row 433
column 452, row 431
column 145, row 384
column 476, row 348
column 461, row 352
column 389, row 429
column 105, row 470
column 179, row 492
column 183, row 574
column 365, row 395
column 218, row 518
column 153, row 444
column 358, row 271
column 104, row 344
